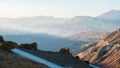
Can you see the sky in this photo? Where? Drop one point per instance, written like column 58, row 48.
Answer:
column 56, row 8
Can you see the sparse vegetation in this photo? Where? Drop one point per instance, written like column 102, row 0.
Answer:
column 77, row 57
column 65, row 51
column 1, row 39
column 8, row 45
column 86, row 61
column 29, row 46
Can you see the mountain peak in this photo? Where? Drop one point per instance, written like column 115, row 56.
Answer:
column 114, row 10
column 110, row 15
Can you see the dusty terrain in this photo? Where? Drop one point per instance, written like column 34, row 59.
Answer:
column 10, row 60
column 64, row 60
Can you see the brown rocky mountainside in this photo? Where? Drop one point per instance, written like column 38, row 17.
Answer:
column 105, row 53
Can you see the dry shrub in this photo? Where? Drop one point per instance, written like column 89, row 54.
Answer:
column 65, row 51
column 29, row 46
column 1, row 39
column 8, row 45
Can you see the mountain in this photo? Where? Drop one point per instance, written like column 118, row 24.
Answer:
column 30, row 25
column 89, row 36
column 106, row 52
column 104, row 22
column 111, row 15
column 60, row 26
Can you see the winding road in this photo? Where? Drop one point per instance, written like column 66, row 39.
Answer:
column 39, row 59
column 35, row 58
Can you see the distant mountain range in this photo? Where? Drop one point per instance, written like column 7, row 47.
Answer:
column 108, row 21
column 47, row 42
column 105, row 52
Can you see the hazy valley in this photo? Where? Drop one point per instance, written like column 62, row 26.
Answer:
column 55, row 26
column 76, row 40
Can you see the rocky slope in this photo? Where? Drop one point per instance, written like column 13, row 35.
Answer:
column 106, row 52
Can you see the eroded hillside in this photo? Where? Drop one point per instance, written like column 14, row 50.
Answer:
column 106, row 52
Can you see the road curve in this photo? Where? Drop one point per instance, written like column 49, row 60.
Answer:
column 35, row 58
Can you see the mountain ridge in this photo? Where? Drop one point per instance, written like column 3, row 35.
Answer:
column 106, row 52
column 55, row 26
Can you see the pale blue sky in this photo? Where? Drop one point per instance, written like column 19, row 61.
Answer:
column 56, row 8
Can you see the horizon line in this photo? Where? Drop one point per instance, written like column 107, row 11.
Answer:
column 57, row 16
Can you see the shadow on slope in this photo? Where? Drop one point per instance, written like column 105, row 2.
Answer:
column 46, row 42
